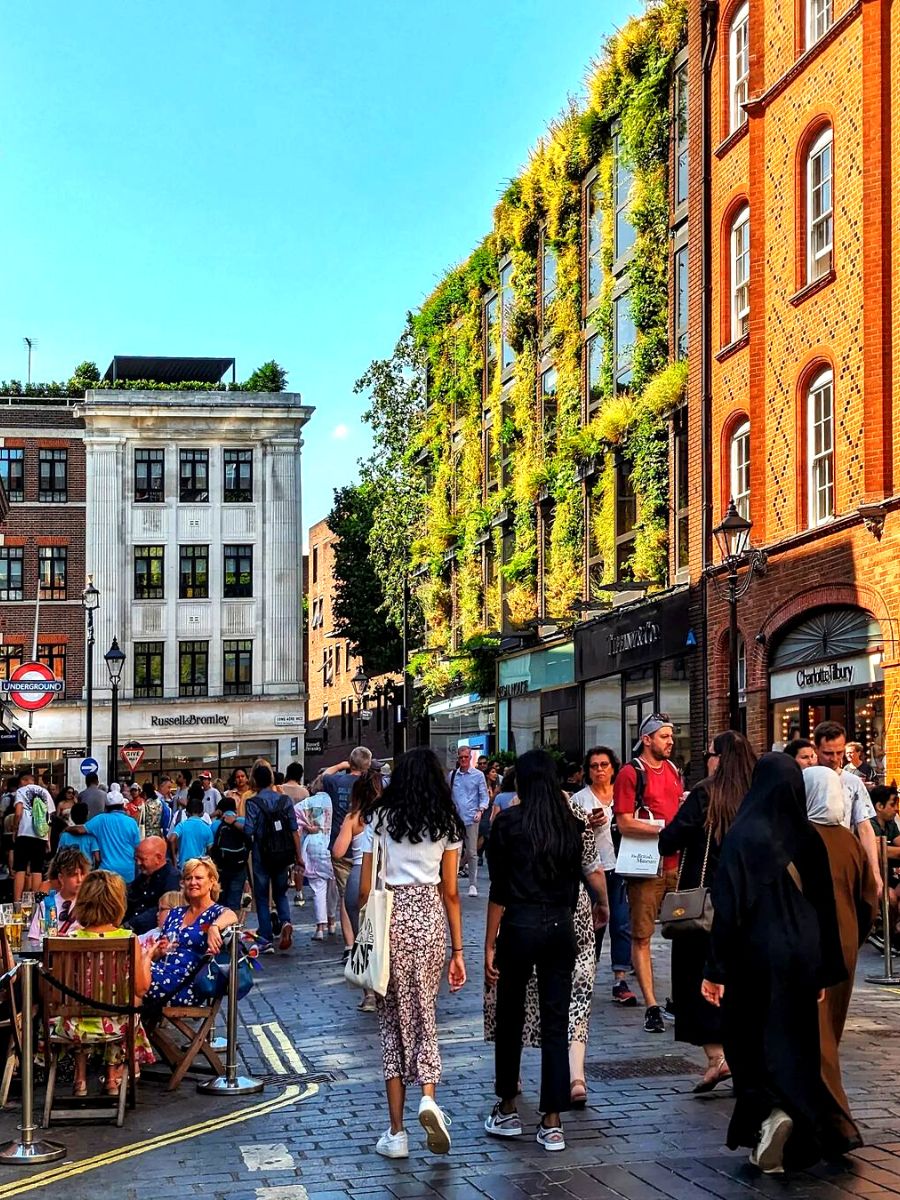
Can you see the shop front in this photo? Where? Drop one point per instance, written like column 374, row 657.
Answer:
column 537, row 701
column 455, row 721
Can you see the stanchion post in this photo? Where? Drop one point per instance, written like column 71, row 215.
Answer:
column 888, row 976
column 25, row 1148
column 232, row 1084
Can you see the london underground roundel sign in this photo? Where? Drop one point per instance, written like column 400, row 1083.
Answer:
column 31, row 686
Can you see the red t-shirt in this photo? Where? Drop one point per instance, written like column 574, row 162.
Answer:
column 663, row 790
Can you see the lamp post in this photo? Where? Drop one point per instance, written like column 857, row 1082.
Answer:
column 733, row 539
column 90, row 602
column 360, row 682
column 115, row 661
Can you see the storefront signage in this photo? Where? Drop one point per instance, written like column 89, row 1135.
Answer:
column 518, row 688
column 837, row 675
column 314, row 746
column 13, row 739
column 825, row 676
column 189, row 719
column 634, row 637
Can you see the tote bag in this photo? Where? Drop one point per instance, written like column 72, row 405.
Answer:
column 369, row 964
column 638, row 857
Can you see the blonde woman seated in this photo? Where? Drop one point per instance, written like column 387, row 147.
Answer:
column 100, row 911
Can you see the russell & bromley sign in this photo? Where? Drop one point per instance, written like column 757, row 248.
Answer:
column 189, row 719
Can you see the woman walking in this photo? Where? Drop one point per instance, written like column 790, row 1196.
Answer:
column 538, row 859
column 314, row 821
column 774, row 948
column 422, row 835
column 856, row 898
column 698, row 831
column 355, row 838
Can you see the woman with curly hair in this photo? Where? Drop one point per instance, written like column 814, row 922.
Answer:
column 421, row 836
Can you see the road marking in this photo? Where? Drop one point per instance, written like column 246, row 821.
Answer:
column 291, row 1095
column 269, row 1053
column 267, row 1156
column 291, row 1191
column 291, row 1057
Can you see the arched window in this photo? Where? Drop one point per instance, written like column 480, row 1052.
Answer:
column 739, row 66
column 819, row 206
column 819, row 15
column 740, row 274
column 820, row 446
column 739, row 468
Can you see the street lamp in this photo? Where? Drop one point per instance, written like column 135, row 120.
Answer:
column 115, row 661
column 733, row 539
column 90, row 602
column 360, row 682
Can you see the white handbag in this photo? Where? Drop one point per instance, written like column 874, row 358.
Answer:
column 369, row 964
column 638, row 857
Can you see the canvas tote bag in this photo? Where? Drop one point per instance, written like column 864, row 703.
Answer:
column 369, row 964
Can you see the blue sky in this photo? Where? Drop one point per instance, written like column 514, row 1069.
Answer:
column 274, row 179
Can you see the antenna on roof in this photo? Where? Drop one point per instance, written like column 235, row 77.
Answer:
column 29, row 344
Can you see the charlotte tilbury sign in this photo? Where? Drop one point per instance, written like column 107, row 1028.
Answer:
column 830, row 676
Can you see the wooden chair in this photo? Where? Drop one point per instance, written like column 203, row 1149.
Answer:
column 10, row 1019
column 104, row 969
column 194, row 1022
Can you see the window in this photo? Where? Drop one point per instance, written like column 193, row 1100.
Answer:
column 739, row 65
column 622, row 183
column 740, row 274
column 739, row 469
column 819, row 207
column 12, row 472
column 594, row 374
column 547, row 517
column 548, row 278
column 507, row 354
column 193, row 668
column 52, row 567
column 52, row 476
column 343, row 720
column 626, row 523
column 237, row 485
column 53, row 655
column 593, row 518
column 681, row 302
column 148, row 669
column 193, row 572
column 239, row 576
column 491, row 316
column 681, row 134
column 624, row 333
column 594, row 241
column 149, row 572
column 820, row 447
column 149, row 476
column 819, row 15
column 318, row 607
column 681, row 461
column 11, row 566
column 12, row 655
column 238, row 660
column 337, row 660
column 193, row 475
column 315, row 564
column 549, row 381
column 489, row 567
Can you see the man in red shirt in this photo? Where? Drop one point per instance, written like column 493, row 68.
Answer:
column 662, row 794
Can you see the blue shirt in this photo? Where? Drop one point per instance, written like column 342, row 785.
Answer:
column 118, row 837
column 470, row 793
column 194, row 838
column 85, row 842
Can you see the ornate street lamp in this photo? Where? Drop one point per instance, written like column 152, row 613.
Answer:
column 115, row 661
column 360, row 682
column 90, row 602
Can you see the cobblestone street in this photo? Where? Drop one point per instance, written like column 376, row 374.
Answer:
column 312, row 1132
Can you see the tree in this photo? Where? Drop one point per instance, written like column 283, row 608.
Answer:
column 85, row 375
column 270, row 377
column 358, row 605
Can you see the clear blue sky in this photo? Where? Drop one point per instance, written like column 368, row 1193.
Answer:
column 277, row 178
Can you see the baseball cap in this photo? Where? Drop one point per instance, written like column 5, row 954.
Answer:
column 651, row 725
column 206, row 774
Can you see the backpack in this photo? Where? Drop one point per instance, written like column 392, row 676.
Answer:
column 230, row 849
column 274, row 838
column 39, row 818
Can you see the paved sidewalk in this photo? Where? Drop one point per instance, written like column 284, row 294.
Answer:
column 311, row 1135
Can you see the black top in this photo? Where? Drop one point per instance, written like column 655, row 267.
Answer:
column 687, row 833
column 144, row 893
column 512, row 862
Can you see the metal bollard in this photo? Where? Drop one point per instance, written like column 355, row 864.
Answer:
column 231, row 1083
column 25, row 1149
column 888, row 977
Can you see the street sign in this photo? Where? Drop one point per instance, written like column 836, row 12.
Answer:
column 132, row 754
column 31, row 686
column 13, row 739
column 74, row 752
column 89, row 766
column 313, row 745
column 287, row 720
column 365, row 716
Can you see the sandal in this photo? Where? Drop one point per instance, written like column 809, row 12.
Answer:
column 717, row 1072
column 578, row 1093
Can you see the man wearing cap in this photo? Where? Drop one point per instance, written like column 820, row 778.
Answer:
column 212, row 797
column 663, row 789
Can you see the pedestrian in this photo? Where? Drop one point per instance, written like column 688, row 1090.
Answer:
column 271, row 826
column 596, row 801
column 356, row 833
column 182, row 784
column 93, row 795
column 157, row 815
column 802, row 751
column 697, row 832
column 117, row 835
column 192, row 837
column 421, row 833
column 314, row 822
column 657, row 791
column 774, row 948
column 470, row 795
column 211, row 794
column 241, row 788
column 855, row 764
column 230, row 851
column 293, row 782
column 34, row 806
column 506, row 795
column 542, row 852
column 856, row 900
column 830, row 741
column 85, row 842
column 338, row 782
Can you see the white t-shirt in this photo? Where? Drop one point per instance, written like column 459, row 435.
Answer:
column 587, row 802
column 858, row 806
column 24, row 796
column 212, row 798
column 408, row 863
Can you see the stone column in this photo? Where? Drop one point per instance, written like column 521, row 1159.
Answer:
column 278, row 629
column 105, row 551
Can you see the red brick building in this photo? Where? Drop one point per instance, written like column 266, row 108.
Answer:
column 796, row 126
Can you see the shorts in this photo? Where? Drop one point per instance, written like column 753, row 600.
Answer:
column 342, row 868
column 29, row 855
column 645, row 897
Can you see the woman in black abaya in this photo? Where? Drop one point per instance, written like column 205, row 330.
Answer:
column 774, row 947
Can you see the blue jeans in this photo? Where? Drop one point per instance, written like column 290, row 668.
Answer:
column 619, row 924
column 278, row 882
column 232, row 884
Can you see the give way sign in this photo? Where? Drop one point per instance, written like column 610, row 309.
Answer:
column 132, row 754
column 31, row 685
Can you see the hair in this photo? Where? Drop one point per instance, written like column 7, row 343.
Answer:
column 149, row 791
column 165, row 779
column 857, row 746
column 279, row 778
column 360, row 758
column 730, row 783
column 68, row 861
column 882, row 794
column 547, row 821
column 417, row 800
column 508, row 783
column 194, row 807
column 186, row 775
column 195, row 791
column 261, row 776
column 211, row 869
column 135, row 787
column 227, row 804
column 366, row 793
column 170, row 900
column 66, row 790
column 793, row 748
column 92, row 780
column 102, row 900
column 827, row 731
column 293, row 772
column 80, row 813
column 610, row 754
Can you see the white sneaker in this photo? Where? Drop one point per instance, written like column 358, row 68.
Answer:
column 393, row 1145
column 551, row 1137
column 435, row 1125
column 473, row 890
column 500, row 1124
column 769, row 1151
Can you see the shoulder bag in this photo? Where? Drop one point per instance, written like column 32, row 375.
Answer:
column 638, row 857
column 369, row 964
column 689, row 911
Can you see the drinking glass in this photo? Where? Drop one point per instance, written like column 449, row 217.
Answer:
column 28, row 904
